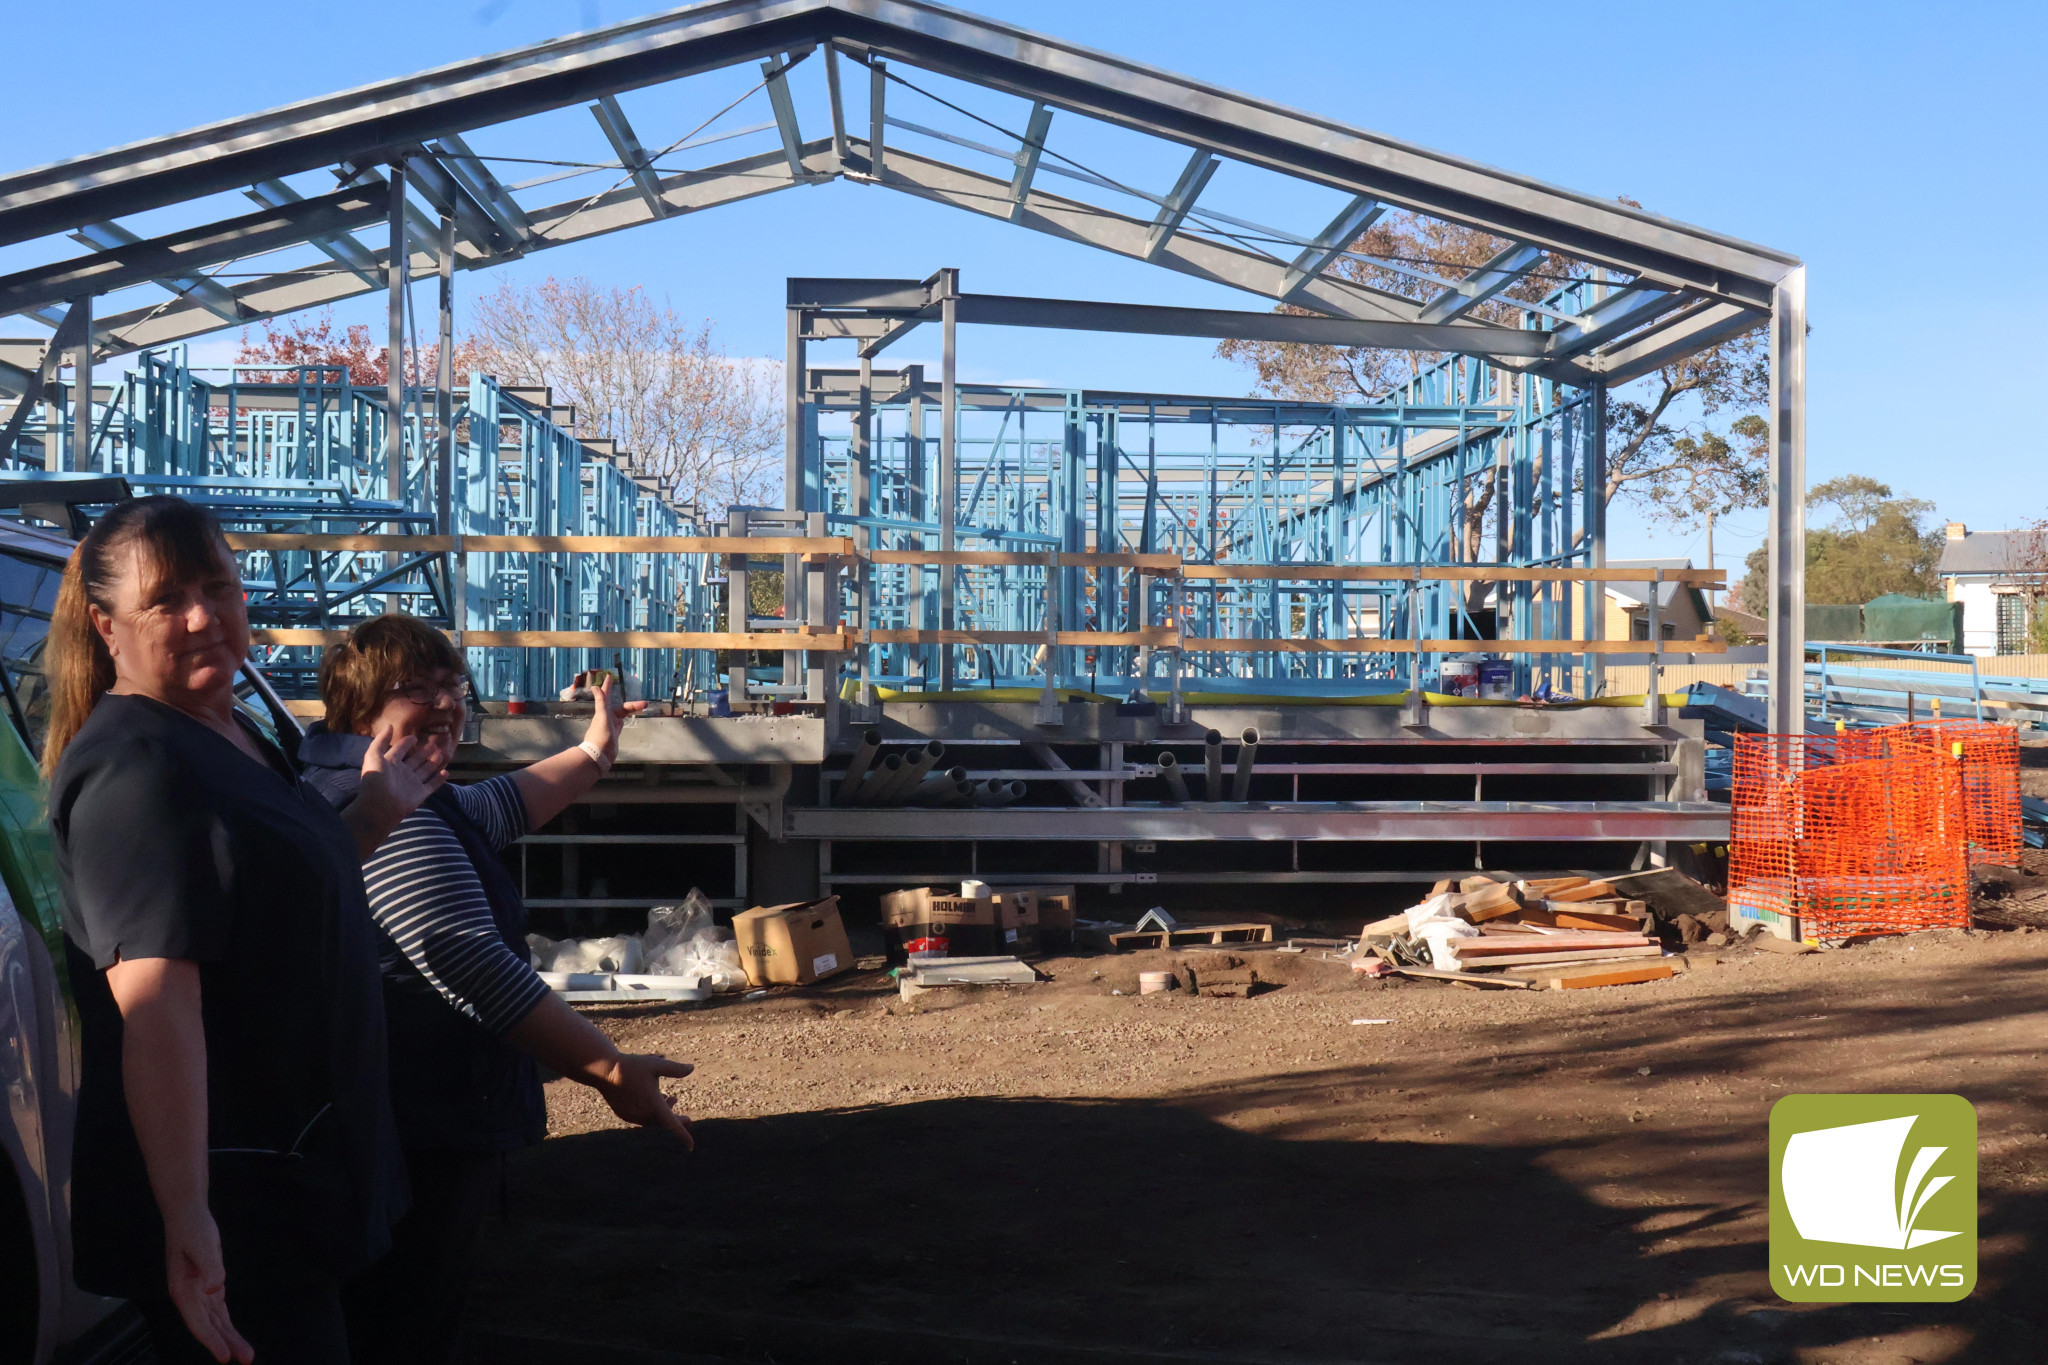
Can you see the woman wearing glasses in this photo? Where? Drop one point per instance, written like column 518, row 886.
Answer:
column 468, row 1015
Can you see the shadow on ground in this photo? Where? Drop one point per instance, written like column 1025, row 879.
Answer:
column 1268, row 1221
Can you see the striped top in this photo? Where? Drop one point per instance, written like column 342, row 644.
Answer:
column 425, row 894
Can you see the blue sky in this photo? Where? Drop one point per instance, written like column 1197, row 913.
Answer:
column 1897, row 148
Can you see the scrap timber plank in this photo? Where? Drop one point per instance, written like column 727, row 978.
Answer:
column 1620, row 976
column 1191, row 935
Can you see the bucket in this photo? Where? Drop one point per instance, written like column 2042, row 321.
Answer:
column 1152, row 983
column 1458, row 677
column 1497, row 679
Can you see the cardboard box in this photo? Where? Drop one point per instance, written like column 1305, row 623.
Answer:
column 1055, row 905
column 792, row 945
column 924, row 920
column 1017, row 923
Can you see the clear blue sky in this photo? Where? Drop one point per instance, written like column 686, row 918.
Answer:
column 1897, row 148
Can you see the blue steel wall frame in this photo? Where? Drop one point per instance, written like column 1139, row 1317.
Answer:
column 1261, row 482
column 301, row 449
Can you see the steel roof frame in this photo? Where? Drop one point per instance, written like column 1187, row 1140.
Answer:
column 1686, row 287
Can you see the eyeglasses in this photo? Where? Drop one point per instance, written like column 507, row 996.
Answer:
column 431, row 695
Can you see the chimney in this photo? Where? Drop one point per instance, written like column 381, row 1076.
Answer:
column 1956, row 530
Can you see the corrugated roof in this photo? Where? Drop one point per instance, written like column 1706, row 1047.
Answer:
column 1983, row 552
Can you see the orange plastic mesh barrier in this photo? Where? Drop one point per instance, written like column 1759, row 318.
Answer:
column 1991, row 779
column 1848, row 832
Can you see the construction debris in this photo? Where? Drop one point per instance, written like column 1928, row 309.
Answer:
column 1537, row 924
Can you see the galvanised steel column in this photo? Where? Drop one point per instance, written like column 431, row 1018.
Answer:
column 861, row 457
column 394, row 366
column 949, row 471
column 793, row 415
column 1786, row 662
column 454, row 569
column 81, row 389
column 1596, row 533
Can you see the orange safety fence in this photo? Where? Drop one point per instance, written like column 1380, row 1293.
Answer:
column 1990, row 756
column 1848, row 833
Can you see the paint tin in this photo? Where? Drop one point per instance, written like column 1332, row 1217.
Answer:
column 1497, row 679
column 1152, row 983
column 1458, row 677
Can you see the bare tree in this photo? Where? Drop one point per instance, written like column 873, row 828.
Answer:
column 1679, row 469
column 2025, row 567
column 641, row 374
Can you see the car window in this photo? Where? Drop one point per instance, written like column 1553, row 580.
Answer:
column 28, row 594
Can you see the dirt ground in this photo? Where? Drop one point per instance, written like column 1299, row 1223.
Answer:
column 1336, row 1170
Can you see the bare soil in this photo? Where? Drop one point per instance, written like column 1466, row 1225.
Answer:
column 1060, row 1173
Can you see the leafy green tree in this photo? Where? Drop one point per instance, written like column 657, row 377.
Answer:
column 1875, row 544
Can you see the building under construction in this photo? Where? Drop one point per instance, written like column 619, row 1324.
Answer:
column 1027, row 634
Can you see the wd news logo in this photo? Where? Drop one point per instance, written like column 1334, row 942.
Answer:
column 1873, row 1198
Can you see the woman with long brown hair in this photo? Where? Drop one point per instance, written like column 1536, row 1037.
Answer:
column 235, row 1158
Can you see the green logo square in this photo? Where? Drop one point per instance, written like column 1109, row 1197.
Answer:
column 1873, row 1198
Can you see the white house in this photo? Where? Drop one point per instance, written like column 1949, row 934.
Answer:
column 1979, row 569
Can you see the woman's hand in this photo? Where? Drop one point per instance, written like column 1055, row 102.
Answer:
column 609, row 717
column 631, row 1085
column 198, row 1284
column 398, row 777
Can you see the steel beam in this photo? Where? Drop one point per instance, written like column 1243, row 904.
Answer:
column 291, row 290
column 1786, row 661
column 336, row 244
column 1347, row 821
column 1484, row 283
column 1691, row 331
column 878, row 118
column 395, row 258
column 633, row 158
column 840, row 146
column 1035, row 129
column 209, row 294
column 81, row 385
column 33, row 386
column 1360, row 214
column 1090, row 225
column 475, row 177
column 121, row 259
column 1173, row 210
column 1090, row 316
column 774, row 72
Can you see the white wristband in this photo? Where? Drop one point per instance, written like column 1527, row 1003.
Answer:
column 604, row 765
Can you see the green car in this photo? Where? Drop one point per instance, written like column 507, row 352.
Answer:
column 43, row 1315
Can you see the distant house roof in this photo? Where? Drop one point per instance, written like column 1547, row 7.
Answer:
column 1743, row 621
column 1982, row 552
column 1637, row 594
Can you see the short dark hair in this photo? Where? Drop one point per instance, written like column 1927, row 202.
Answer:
column 383, row 653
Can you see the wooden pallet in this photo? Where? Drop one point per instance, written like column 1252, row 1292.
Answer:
column 1192, row 936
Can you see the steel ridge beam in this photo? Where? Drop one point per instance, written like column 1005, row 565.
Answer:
column 1087, row 315
column 1149, row 100
column 186, row 253
column 1568, row 821
column 286, row 292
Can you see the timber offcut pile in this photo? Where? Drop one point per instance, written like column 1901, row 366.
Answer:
column 1563, row 933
